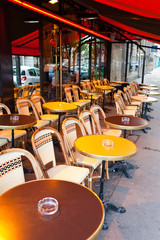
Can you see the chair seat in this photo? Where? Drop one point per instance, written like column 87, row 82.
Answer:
column 94, row 97
column 129, row 112
column 136, row 103
column 8, row 134
column 81, row 103
column 131, row 108
column 3, row 141
column 50, row 117
column 41, row 123
column 68, row 173
column 112, row 132
column 84, row 101
column 87, row 161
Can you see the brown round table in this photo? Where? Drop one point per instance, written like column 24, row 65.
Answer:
column 135, row 123
column 80, row 215
column 16, row 121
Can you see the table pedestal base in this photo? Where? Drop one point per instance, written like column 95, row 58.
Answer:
column 146, row 109
column 122, row 165
column 107, row 205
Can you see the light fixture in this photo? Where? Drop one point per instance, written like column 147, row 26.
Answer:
column 54, row 16
column 53, row 1
column 31, row 20
column 89, row 16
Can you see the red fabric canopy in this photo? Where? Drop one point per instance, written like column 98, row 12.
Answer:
column 145, row 8
column 27, row 45
column 141, row 17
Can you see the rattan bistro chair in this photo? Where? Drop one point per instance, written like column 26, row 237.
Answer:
column 37, row 101
column 120, row 107
column 72, row 128
column 11, row 168
column 88, row 122
column 92, row 127
column 70, row 99
column 129, row 100
column 7, row 133
column 97, row 112
column 24, row 106
column 128, row 107
column 24, row 91
column 43, row 141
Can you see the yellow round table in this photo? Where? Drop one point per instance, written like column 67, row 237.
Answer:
column 149, row 93
column 149, row 88
column 145, row 100
column 147, row 85
column 104, row 88
column 93, row 146
column 60, row 108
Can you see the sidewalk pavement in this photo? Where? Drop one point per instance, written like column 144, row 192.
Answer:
column 140, row 195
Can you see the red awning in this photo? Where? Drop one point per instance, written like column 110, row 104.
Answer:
column 145, row 8
column 141, row 18
column 27, row 45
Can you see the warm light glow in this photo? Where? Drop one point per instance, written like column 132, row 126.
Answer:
column 42, row 11
column 53, row 1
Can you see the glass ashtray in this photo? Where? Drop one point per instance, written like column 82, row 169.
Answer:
column 14, row 118
column 125, row 120
column 48, row 206
column 107, row 143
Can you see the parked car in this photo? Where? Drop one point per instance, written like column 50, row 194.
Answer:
column 29, row 75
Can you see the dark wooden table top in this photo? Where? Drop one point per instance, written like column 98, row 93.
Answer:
column 118, row 121
column 16, row 121
column 80, row 215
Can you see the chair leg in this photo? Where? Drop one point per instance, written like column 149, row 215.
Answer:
column 90, row 178
column 83, row 183
column 23, row 143
column 90, row 183
column 107, row 172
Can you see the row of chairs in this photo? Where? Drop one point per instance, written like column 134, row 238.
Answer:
column 77, row 166
column 124, row 103
column 34, row 106
column 82, row 100
column 26, row 106
column 92, row 85
column 27, row 91
column 73, row 95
